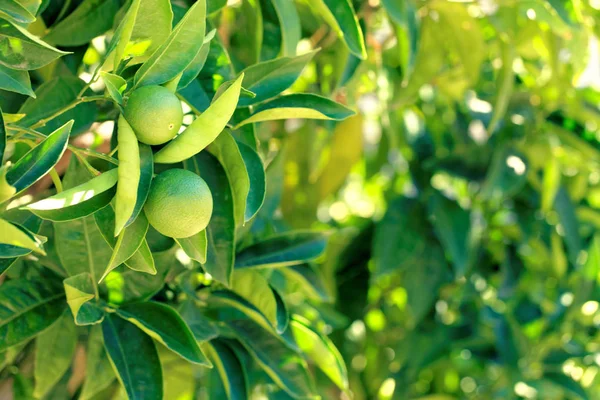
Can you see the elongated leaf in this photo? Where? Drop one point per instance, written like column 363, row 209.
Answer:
column 226, row 150
column 129, row 243
column 452, row 225
column 15, row 80
column 176, row 53
column 30, row 225
column 283, row 315
column 24, row 51
column 286, row 368
column 15, row 11
column 405, row 15
column 255, row 289
column 231, row 370
column 165, row 325
column 505, row 85
column 115, row 85
column 204, row 129
column 568, row 219
column 309, row 280
column 4, row 191
column 55, row 347
column 291, row 29
column 144, row 29
column 90, row 19
column 195, row 246
column 138, row 371
column 129, row 174
column 258, row 180
column 322, row 352
column 195, row 66
column 290, row 248
column 269, row 78
column 98, row 371
column 39, row 160
column 221, row 228
column 80, row 291
column 146, row 173
column 53, row 96
column 309, row 106
column 14, row 236
column 345, row 150
column 79, row 201
column 201, row 327
column 81, row 248
column 28, row 307
column 346, row 22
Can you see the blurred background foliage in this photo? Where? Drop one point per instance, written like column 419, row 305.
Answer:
column 463, row 198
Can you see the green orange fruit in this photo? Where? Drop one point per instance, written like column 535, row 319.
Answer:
column 154, row 113
column 179, row 204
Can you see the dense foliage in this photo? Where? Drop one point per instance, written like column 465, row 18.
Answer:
column 405, row 199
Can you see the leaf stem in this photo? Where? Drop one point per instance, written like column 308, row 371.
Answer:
column 66, row 108
column 56, row 180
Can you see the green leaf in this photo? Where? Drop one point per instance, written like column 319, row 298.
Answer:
column 221, row 228
column 310, row 106
column 204, row 129
column 226, row 150
column 28, row 307
column 163, row 324
column 282, row 250
column 346, row 148
column 506, row 176
column 568, row 219
column 291, row 28
column 322, row 351
column 24, row 51
column 505, row 85
column 144, row 29
column 130, row 247
column 231, row 370
column 14, row 236
column 258, row 180
column 28, row 223
column 405, row 15
column 54, row 347
column 247, row 39
column 310, row 281
column 53, row 96
column 7, row 191
column 126, row 285
column 178, row 51
column 39, row 160
column 15, row 80
column 550, row 184
column 178, row 376
column 146, row 173
column 567, row 383
column 201, row 327
column 79, row 201
column 195, row 246
column 80, row 290
column 195, row 66
column 345, row 21
column 98, row 371
column 115, row 85
column 14, row 11
column 138, row 371
column 255, row 289
column 452, row 225
column 267, row 79
column 3, row 191
column 287, row 369
column 283, row 315
column 90, row 19
column 129, row 174
column 81, row 247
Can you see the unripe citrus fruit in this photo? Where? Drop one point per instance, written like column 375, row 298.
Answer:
column 154, row 113
column 179, row 204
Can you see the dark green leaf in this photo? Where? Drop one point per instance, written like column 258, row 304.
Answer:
column 79, row 201
column 115, row 85
column 269, row 78
column 80, row 290
column 201, row 327
column 138, row 371
column 258, row 180
column 39, row 160
column 99, row 373
column 346, row 22
column 15, row 80
column 231, row 370
column 90, row 19
column 568, row 220
column 22, row 50
column 195, row 66
column 290, row 248
column 291, row 28
column 221, row 229
column 310, row 106
column 28, row 307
